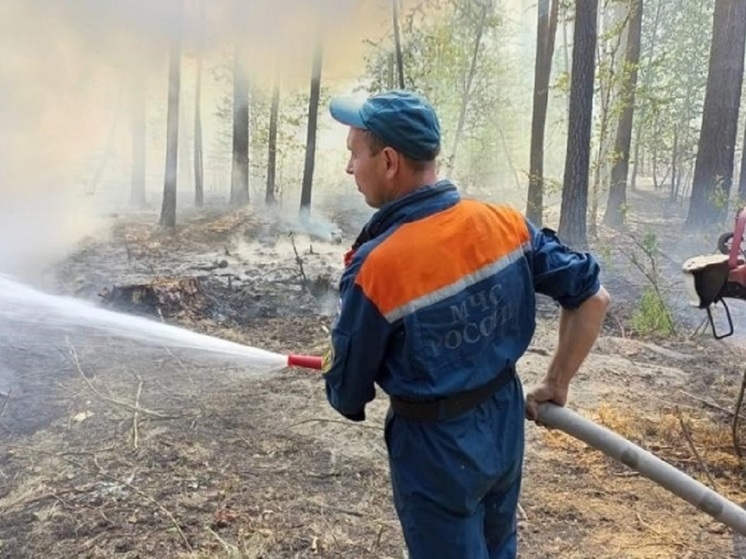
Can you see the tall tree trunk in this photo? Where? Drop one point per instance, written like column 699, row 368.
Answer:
column 545, row 35
column 240, row 167
column 313, row 113
column 573, row 212
column 390, row 73
column 108, row 148
column 199, row 168
column 674, row 161
column 137, row 183
column 467, row 91
column 274, row 113
column 742, row 173
column 168, row 208
column 397, row 43
column 713, row 170
column 617, row 200
column 638, row 157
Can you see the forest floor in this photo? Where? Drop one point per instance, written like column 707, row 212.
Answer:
column 118, row 449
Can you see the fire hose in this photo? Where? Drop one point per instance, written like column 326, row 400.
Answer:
column 624, row 451
column 650, row 466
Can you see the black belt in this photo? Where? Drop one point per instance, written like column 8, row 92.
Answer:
column 447, row 408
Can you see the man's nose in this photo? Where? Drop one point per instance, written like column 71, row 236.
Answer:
column 349, row 167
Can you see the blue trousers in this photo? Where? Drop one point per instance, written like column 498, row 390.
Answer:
column 456, row 483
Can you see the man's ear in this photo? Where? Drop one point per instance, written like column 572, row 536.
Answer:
column 391, row 159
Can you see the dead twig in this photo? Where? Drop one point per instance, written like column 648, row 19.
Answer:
column 135, row 416
column 108, row 399
column 522, row 513
column 115, row 479
column 698, row 328
column 377, row 541
column 670, row 539
column 230, row 549
column 736, row 416
column 688, row 437
column 5, row 403
column 708, row 403
column 299, row 261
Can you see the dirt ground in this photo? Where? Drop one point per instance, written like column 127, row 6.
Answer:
column 115, row 448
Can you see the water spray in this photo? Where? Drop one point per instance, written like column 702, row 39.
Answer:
column 23, row 305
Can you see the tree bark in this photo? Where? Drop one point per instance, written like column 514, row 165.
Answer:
column 617, row 200
column 199, row 168
column 397, row 43
column 240, row 167
column 313, row 112
column 545, row 36
column 274, row 113
column 168, row 207
column 573, row 212
column 638, row 156
column 713, row 170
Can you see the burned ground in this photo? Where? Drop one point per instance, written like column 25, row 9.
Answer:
column 115, row 448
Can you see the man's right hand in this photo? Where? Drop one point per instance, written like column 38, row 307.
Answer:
column 544, row 392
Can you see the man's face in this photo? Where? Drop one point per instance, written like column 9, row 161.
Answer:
column 369, row 170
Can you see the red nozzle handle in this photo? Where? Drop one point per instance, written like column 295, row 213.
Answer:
column 307, row 361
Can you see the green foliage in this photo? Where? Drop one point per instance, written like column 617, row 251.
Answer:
column 438, row 39
column 651, row 317
column 293, row 118
column 676, row 35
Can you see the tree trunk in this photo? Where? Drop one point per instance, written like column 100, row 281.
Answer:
column 467, row 91
column 573, row 212
column 637, row 158
column 137, row 184
column 713, row 170
column 674, row 161
column 108, row 149
column 313, row 113
column 274, row 113
column 199, row 168
column 240, row 167
column 742, row 173
column 168, row 208
column 397, row 43
column 617, row 200
column 545, row 35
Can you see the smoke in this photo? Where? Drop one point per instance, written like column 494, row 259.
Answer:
column 67, row 72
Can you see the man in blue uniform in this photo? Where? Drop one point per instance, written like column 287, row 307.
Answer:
column 437, row 306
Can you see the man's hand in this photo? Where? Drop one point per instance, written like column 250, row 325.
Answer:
column 544, row 392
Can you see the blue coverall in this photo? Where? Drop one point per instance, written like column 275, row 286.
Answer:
column 439, row 298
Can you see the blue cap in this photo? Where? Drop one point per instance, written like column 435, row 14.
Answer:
column 400, row 119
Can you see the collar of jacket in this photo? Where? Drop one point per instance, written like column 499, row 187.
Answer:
column 407, row 208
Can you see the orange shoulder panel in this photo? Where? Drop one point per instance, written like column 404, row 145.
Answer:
column 431, row 253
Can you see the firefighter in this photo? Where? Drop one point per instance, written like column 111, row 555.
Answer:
column 437, row 306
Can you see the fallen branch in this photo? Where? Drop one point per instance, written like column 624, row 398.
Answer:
column 736, row 416
column 115, row 479
column 299, row 261
column 688, row 437
column 708, row 403
column 135, row 416
column 5, row 403
column 109, row 399
column 679, row 543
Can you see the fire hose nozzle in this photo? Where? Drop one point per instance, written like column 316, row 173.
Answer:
column 305, row 361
